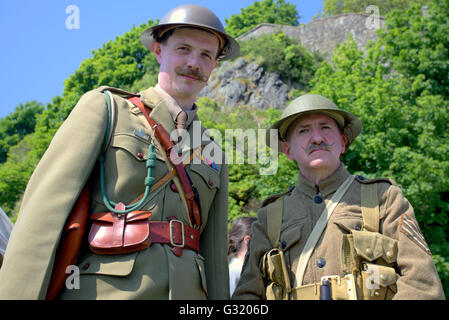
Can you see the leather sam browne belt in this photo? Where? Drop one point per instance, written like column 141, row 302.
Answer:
column 113, row 234
column 175, row 234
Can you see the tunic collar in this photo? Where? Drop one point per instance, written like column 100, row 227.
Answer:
column 161, row 115
column 173, row 107
column 324, row 187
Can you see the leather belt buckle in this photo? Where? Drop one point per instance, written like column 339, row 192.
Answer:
column 172, row 242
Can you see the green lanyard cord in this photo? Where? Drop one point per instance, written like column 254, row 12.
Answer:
column 149, row 179
column 149, row 182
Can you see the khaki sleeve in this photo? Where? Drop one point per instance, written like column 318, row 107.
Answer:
column 251, row 285
column 50, row 194
column 214, row 242
column 419, row 278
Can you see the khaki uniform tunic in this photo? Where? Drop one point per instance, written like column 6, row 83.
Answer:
column 69, row 162
column 302, row 208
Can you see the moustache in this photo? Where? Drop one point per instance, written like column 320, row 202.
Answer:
column 191, row 73
column 321, row 146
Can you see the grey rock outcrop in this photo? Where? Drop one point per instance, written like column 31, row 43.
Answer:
column 239, row 82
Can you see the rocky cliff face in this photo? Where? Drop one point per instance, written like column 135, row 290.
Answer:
column 240, row 82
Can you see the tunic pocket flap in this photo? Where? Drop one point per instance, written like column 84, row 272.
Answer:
column 209, row 175
column 372, row 245
column 290, row 235
column 113, row 265
column 135, row 146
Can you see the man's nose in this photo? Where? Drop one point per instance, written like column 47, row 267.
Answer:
column 193, row 61
column 316, row 136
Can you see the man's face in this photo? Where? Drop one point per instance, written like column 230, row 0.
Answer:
column 186, row 61
column 315, row 143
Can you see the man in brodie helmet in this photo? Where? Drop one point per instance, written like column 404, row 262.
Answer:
column 334, row 236
column 181, row 252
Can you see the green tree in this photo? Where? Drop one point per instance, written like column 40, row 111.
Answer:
column 269, row 11
column 18, row 124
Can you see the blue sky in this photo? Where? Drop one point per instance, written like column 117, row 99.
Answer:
column 38, row 52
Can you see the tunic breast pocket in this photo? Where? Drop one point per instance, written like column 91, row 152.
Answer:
column 207, row 181
column 291, row 235
column 125, row 167
column 347, row 224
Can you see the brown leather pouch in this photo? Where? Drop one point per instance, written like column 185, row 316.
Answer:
column 111, row 233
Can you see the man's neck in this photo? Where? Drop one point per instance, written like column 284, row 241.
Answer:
column 316, row 176
column 184, row 103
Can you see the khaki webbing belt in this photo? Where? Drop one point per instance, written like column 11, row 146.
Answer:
column 370, row 207
column 342, row 289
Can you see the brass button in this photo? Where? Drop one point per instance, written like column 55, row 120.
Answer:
column 368, row 251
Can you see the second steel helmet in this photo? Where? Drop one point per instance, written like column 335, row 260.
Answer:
column 194, row 16
column 313, row 103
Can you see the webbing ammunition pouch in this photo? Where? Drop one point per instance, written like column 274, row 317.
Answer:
column 275, row 270
column 371, row 256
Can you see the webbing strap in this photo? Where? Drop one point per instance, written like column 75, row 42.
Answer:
column 274, row 221
column 318, row 229
column 370, row 207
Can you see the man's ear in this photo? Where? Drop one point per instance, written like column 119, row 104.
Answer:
column 216, row 63
column 156, row 47
column 344, row 141
column 286, row 149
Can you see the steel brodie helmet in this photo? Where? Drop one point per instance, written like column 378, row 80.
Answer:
column 313, row 103
column 194, row 16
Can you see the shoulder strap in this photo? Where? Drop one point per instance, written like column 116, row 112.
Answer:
column 274, row 221
column 370, row 207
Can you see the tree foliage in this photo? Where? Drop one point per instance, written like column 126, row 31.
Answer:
column 268, row 11
column 17, row 125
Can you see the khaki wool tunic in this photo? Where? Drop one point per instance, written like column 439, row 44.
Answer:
column 70, row 162
column 418, row 276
